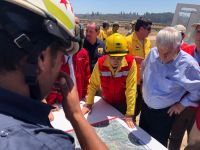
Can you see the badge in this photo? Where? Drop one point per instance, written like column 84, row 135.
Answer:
column 100, row 50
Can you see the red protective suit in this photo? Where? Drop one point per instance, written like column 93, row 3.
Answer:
column 113, row 89
column 82, row 75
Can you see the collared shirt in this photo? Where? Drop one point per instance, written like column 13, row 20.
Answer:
column 130, row 92
column 95, row 51
column 24, row 124
column 138, row 48
column 103, row 34
column 69, row 60
column 165, row 84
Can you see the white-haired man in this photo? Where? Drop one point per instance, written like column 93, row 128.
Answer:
column 166, row 77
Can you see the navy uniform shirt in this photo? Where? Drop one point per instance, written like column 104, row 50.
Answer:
column 24, row 125
column 95, row 51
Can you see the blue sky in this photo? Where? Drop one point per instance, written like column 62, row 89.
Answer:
column 116, row 6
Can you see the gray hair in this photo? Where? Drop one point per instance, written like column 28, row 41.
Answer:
column 168, row 37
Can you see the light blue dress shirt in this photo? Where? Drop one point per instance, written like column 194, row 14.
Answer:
column 165, row 84
column 196, row 56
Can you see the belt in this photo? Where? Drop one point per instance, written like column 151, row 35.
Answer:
column 156, row 110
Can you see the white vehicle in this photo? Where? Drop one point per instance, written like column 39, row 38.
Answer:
column 187, row 14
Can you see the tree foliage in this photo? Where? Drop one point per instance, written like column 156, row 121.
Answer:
column 163, row 18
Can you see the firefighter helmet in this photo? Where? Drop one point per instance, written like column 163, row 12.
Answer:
column 116, row 45
column 55, row 17
column 31, row 26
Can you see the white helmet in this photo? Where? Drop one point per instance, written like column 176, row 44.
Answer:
column 59, row 19
column 34, row 24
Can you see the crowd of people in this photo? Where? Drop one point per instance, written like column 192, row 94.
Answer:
column 46, row 63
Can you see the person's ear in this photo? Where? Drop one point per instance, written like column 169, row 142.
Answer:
column 42, row 60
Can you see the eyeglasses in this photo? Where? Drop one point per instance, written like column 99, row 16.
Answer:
column 197, row 31
column 182, row 34
column 148, row 28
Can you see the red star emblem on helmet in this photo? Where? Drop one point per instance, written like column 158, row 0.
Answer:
column 65, row 2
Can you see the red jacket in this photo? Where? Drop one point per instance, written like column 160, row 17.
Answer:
column 113, row 88
column 184, row 45
column 189, row 49
column 82, row 75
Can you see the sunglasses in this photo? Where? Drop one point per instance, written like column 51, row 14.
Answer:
column 197, row 31
column 148, row 28
column 182, row 34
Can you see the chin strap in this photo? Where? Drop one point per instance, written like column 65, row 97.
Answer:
column 30, row 71
column 24, row 43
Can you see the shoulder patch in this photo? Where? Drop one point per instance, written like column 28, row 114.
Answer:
column 100, row 50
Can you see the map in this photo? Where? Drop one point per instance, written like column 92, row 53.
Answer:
column 116, row 136
column 114, row 132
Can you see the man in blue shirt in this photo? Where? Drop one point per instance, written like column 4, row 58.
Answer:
column 93, row 45
column 33, row 41
column 171, row 82
column 184, row 121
